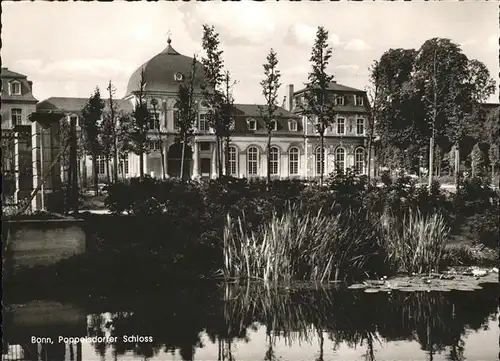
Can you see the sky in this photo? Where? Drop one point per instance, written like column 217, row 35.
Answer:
column 67, row 49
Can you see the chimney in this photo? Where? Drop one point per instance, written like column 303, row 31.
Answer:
column 289, row 97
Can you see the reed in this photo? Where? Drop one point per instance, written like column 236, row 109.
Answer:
column 416, row 242
column 300, row 245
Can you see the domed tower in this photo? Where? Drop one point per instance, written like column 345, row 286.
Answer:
column 163, row 74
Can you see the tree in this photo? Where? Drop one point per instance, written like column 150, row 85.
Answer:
column 397, row 106
column 270, row 86
column 91, row 124
column 124, row 141
column 211, row 89
column 139, row 127
column 159, row 133
column 107, row 140
column 114, row 122
column 492, row 134
column 188, row 110
column 375, row 97
column 467, row 117
column 440, row 69
column 317, row 107
column 227, row 116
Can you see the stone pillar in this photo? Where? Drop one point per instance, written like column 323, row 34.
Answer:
column 22, row 162
column 145, row 161
column 166, row 145
column 196, row 157
column 284, row 165
column 46, row 155
column 213, row 174
column 349, row 157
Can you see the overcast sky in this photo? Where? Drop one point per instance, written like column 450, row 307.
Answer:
column 67, row 49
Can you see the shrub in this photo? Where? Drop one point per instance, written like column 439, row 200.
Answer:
column 474, row 196
column 485, row 227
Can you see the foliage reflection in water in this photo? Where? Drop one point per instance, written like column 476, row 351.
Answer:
column 253, row 322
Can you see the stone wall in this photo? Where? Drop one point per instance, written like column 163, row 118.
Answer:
column 43, row 242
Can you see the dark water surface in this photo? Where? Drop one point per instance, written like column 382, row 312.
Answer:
column 250, row 322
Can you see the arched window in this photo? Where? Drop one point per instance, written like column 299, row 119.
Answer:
column 320, row 160
column 274, row 160
column 293, row 159
column 340, row 159
column 233, row 161
column 293, row 125
column 252, row 161
column 359, row 160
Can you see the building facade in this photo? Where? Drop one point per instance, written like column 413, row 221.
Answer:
column 294, row 148
column 345, row 139
column 17, row 103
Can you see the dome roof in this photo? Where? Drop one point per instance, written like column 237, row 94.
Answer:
column 165, row 71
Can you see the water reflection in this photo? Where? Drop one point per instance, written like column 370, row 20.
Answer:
column 250, row 322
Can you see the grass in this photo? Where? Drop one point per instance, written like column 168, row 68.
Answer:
column 300, row 245
column 415, row 243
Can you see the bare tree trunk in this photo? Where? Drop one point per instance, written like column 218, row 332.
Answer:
column 162, row 154
column 108, row 172
column 269, row 157
column 141, row 165
column 94, row 174
column 219, row 156
column 369, row 168
column 228, row 170
column 73, row 170
column 322, row 152
column 182, row 158
column 457, row 165
column 431, row 159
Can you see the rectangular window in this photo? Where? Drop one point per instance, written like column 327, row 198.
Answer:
column 340, row 125
column 359, row 101
column 154, row 120
column 101, row 165
column 339, row 100
column 17, row 117
column 360, row 126
column 15, row 88
column 203, row 123
column 124, row 167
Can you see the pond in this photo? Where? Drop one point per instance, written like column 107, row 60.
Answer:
column 251, row 322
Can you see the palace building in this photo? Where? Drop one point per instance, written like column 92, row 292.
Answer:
column 17, row 103
column 295, row 150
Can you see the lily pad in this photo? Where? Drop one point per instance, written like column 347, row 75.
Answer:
column 358, row 286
